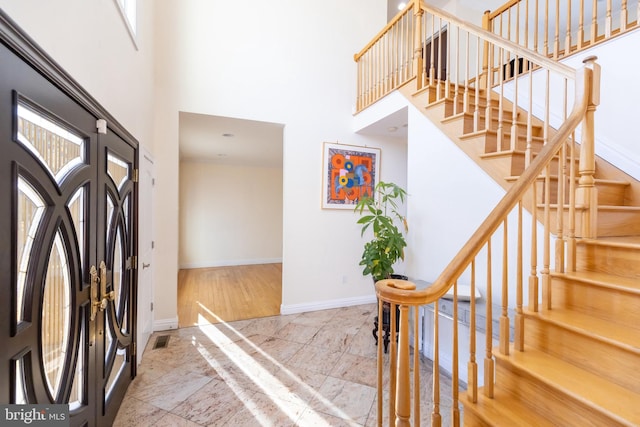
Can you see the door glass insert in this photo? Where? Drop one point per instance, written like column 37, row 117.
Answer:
column 76, row 209
column 117, row 270
column 125, row 211
column 76, row 398
column 20, row 395
column 58, row 149
column 109, row 338
column 116, row 369
column 118, row 170
column 110, row 207
column 56, row 315
column 29, row 216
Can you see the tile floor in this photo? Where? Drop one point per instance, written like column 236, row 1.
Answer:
column 310, row 369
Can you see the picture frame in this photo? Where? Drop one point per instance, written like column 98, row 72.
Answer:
column 348, row 172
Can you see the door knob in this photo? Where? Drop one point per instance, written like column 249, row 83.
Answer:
column 145, row 265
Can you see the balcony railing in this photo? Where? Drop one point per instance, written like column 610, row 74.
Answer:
column 557, row 28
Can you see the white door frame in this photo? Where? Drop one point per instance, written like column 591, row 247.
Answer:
column 145, row 250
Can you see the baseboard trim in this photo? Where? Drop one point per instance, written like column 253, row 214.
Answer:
column 325, row 305
column 165, row 324
column 228, row 263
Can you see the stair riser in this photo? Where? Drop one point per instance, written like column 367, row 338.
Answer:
column 608, row 194
column 558, row 407
column 624, row 223
column 456, row 106
column 472, row 420
column 604, row 359
column 459, row 125
column 513, row 165
column 606, row 303
column 609, row 225
column 494, row 143
column 611, row 194
column 619, row 261
column 507, row 123
column 494, row 124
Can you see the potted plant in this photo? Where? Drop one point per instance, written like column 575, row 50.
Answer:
column 387, row 245
column 388, row 226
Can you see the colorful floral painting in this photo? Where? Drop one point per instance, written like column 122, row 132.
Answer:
column 349, row 173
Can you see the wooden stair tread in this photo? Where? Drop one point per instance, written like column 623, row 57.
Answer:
column 482, row 115
column 506, row 132
column 613, row 333
column 504, row 153
column 604, row 280
column 601, row 208
column 615, row 401
column 619, row 208
column 629, row 242
column 611, row 181
column 504, row 410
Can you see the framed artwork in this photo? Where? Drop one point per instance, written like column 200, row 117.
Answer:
column 348, row 173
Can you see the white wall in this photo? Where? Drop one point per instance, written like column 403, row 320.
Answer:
column 447, row 202
column 285, row 62
column 229, row 215
column 91, row 42
column 616, row 118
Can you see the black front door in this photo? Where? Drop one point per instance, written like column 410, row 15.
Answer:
column 67, row 244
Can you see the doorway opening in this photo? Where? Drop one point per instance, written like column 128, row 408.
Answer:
column 230, row 227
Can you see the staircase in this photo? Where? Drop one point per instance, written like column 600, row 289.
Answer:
column 574, row 358
column 580, row 364
column 581, row 360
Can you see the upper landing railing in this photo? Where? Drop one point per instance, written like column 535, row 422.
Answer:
column 557, row 28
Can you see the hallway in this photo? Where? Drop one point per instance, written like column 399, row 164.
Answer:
column 309, row 369
column 237, row 292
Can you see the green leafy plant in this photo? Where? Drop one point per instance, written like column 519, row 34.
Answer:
column 388, row 226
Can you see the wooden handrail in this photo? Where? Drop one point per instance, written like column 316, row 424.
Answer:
column 596, row 22
column 508, row 5
column 386, row 29
column 505, row 44
column 395, row 294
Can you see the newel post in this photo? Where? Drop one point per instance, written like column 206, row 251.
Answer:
column 418, row 62
column 587, row 193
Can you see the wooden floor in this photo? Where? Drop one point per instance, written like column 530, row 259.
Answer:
column 212, row 295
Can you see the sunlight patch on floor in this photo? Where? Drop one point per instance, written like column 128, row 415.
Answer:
column 259, row 374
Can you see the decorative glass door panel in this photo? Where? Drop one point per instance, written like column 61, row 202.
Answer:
column 118, row 239
column 67, row 264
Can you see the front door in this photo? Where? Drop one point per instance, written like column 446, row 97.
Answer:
column 68, row 239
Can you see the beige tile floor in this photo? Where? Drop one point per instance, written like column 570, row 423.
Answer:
column 310, row 369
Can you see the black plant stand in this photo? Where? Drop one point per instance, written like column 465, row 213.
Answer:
column 386, row 319
column 386, row 325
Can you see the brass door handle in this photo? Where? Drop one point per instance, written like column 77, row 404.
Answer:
column 95, row 303
column 99, row 298
column 106, row 296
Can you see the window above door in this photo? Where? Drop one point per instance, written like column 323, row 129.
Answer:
column 128, row 11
